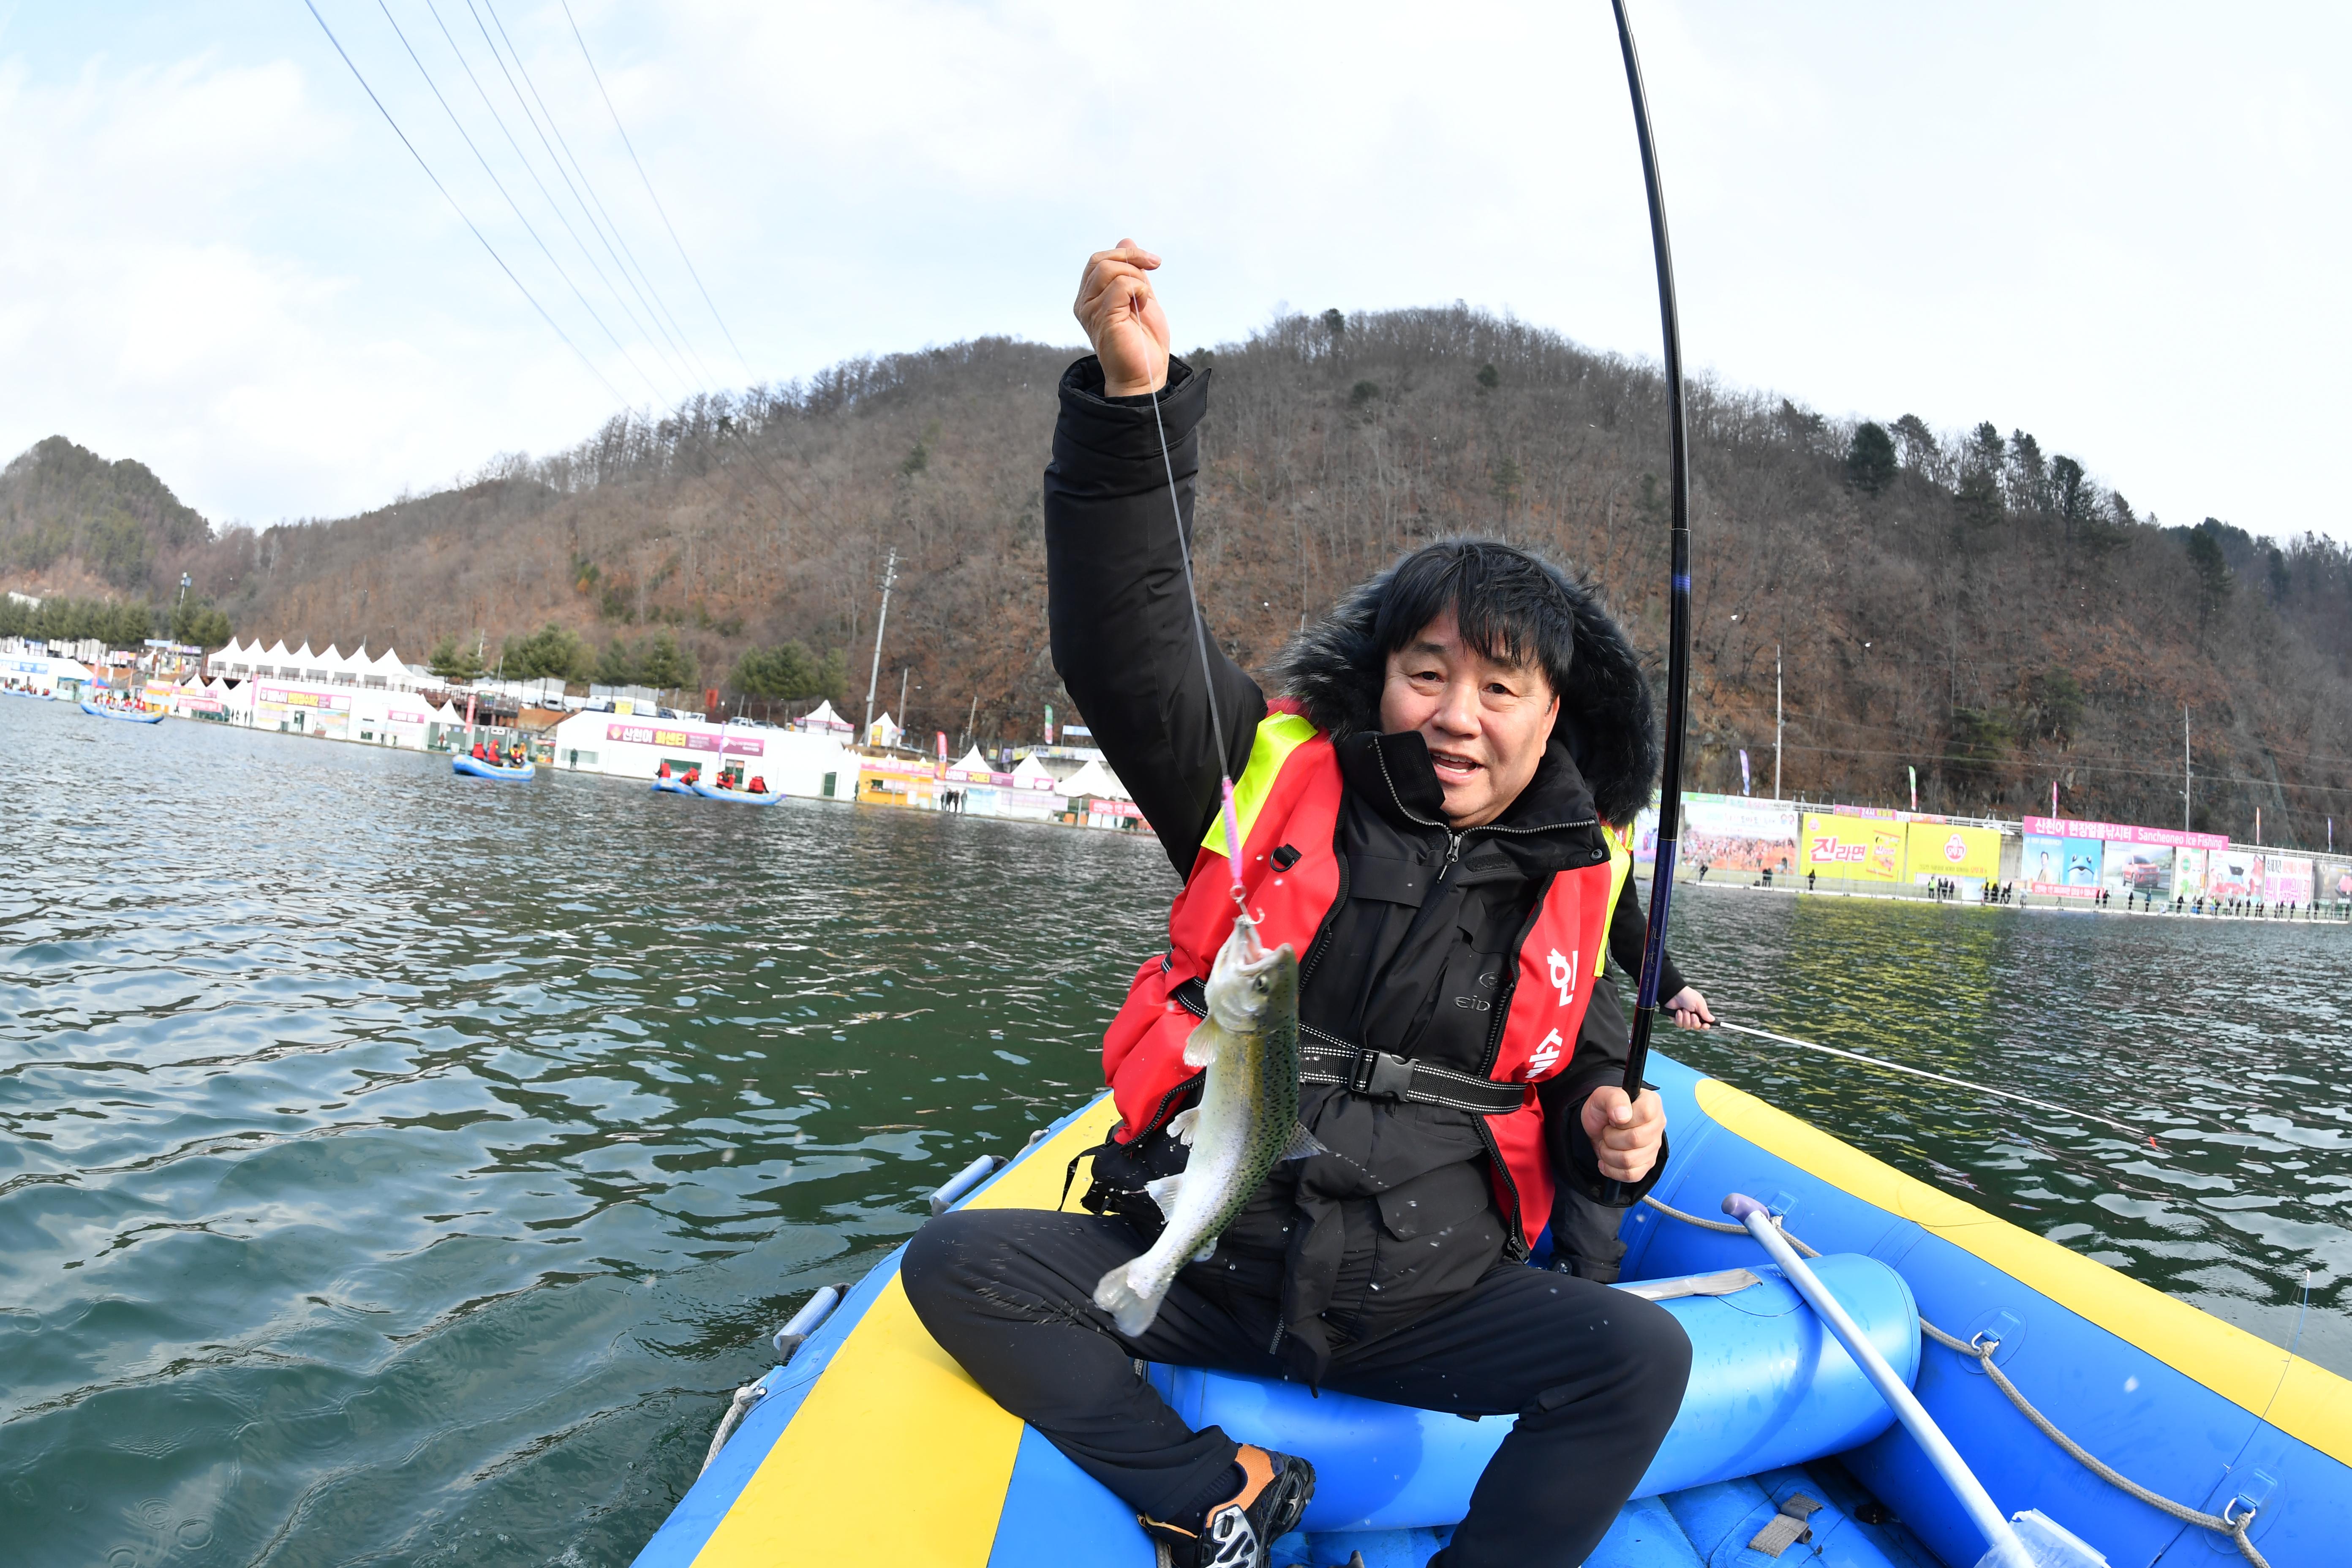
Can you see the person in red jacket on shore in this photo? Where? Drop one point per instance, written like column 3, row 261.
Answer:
column 1424, row 796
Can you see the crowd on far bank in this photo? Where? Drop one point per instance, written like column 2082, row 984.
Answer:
column 1950, row 889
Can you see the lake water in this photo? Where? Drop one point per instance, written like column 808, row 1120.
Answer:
column 402, row 1169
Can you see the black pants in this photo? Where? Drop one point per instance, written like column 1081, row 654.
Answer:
column 1595, row 1375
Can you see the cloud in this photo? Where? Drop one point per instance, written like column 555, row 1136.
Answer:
column 2104, row 224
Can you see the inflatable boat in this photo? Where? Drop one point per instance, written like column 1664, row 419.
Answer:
column 474, row 768
column 672, row 786
column 739, row 796
column 2144, row 1427
column 127, row 715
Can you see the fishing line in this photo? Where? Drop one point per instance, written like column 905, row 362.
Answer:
column 1934, row 1077
column 1208, row 673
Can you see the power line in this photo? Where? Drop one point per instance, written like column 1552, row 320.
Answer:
column 657, row 309
column 469, row 222
column 467, row 138
column 590, row 185
column 480, row 92
column 649, row 192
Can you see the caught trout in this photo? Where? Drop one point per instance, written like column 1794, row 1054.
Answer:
column 1245, row 1124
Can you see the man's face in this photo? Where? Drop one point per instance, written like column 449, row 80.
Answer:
column 1486, row 723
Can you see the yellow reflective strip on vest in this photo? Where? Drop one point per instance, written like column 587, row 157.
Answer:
column 1279, row 735
column 1620, row 865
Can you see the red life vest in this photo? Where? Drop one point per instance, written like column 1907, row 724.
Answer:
column 1289, row 795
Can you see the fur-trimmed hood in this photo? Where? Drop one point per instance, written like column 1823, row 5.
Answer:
column 1334, row 669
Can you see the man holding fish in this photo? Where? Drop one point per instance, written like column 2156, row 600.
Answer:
column 1362, row 1081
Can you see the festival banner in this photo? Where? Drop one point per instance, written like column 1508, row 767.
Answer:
column 2060, row 868
column 287, row 697
column 1733, row 835
column 2117, row 832
column 685, row 740
column 2231, row 873
column 2142, row 869
column 2189, row 874
column 2286, row 881
column 1939, row 850
column 2333, row 885
column 1858, row 848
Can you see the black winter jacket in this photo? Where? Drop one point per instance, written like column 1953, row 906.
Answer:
column 1400, row 1217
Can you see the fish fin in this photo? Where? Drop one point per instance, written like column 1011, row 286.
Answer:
column 1201, row 1046
column 1162, row 1191
column 1130, row 1309
column 1180, row 1125
column 1208, row 1250
column 1303, row 1144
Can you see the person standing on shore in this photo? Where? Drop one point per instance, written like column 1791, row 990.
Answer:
column 1422, row 798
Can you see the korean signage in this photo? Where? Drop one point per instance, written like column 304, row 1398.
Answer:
column 2117, row 833
column 685, row 740
column 1860, row 848
column 287, row 697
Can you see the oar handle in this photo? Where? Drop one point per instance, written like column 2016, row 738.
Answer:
column 1977, row 1502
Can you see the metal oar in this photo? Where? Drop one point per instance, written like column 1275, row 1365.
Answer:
column 1982, row 1511
column 1935, row 1077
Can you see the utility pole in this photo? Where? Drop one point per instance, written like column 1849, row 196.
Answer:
column 2187, row 781
column 874, row 676
column 1776, row 721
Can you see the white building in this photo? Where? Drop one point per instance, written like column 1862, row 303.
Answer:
column 627, row 745
column 61, row 678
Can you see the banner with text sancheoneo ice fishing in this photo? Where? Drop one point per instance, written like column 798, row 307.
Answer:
column 1858, row 848
column 1933, row 850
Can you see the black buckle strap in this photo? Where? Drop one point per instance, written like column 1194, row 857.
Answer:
column 1377, row 1074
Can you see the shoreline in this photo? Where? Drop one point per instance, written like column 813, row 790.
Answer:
column 2314, row 915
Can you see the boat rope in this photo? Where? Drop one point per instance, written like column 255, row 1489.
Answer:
column 2137, row 1133
column 2229, row 1521
column 747, row 1395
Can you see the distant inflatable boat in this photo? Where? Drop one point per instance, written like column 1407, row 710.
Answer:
column 127, row 715
column 738, row 796
column 672, row 786
column 2004, row 1337
column 473, row 768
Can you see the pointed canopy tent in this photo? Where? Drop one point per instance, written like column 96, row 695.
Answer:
column 884, row 733
column 1093, row 779
column 1030, row 774
column 972, row 761
column 822, row 721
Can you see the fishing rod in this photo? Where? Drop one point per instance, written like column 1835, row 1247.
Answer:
column 1678, row 588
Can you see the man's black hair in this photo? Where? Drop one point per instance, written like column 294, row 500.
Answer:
column 1513, row 607
column 1509, row 607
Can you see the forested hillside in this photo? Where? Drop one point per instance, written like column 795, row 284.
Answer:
column 1967, row 604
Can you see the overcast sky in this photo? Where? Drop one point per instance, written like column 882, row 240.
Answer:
column 2120, row 226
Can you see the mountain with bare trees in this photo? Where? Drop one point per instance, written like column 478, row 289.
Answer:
column 1966, row 605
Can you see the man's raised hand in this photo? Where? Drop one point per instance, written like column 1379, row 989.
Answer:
column 1123, row 320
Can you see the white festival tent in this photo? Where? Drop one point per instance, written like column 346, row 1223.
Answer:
column 1093, row 779
column 247, row 661
column 1030, row 774
column 822, row 721
column 973, row 765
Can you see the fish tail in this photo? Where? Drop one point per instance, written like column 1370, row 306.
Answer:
column 1132, row 1309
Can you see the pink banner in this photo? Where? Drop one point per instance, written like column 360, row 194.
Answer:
column 399, row 717
column 286, row 697
column 683, row 739
column 2115, row 832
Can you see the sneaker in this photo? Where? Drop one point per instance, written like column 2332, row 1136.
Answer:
column 1240, row 1530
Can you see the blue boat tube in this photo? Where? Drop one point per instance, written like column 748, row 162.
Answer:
column 127, row 715
column 1768, row 1388
column 672, row 786
column 736, row 796
column 470, row 768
